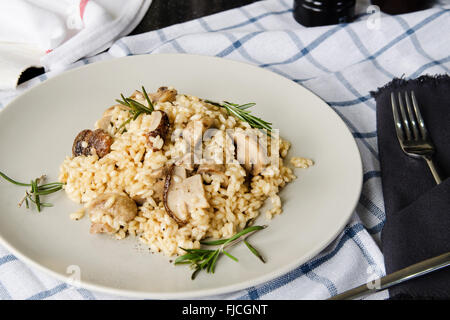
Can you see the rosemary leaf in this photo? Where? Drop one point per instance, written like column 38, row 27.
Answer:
column 254, row 251
column 230, row 256
column 213, row 242
column 247, row 105
column 46, row 204
column 241, row 112
column 124, row 124
column 36, row 197
column 199, row 251
column 205, row 263
column 243, row 232
column 214, row 260
column 41, row 192
column 122, row 102
column 194, row 274
column 150, row 104
column 138, row 106
column 53, row 185
column 4, row 176
column 185, row 257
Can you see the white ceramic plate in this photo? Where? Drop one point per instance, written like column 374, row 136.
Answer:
column 37, row 130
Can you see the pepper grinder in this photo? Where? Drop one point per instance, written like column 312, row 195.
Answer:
column 313, row 13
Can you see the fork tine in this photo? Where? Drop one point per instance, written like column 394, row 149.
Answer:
column 422, row 128
column 412, row 121
column 397, row 121
column 404, row 117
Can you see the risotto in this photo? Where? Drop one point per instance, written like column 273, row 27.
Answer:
column 185, row 171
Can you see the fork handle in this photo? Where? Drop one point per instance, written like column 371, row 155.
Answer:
column 400, row 276
column 433, row 169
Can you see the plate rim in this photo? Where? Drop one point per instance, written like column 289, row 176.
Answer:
column 201, row 292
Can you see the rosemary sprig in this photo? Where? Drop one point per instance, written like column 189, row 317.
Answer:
column 241, row 112
column 136, row 108
column 206, row 259
column 37, row 190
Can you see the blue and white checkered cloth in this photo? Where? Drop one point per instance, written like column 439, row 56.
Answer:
column 341, row 64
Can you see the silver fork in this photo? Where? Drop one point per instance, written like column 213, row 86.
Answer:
column 411, row 131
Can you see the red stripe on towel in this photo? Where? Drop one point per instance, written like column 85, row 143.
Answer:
column 83, row 4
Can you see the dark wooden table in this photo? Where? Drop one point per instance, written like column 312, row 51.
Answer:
column 163, row 13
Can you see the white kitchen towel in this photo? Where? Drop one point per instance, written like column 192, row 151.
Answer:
column 341, row 64
column 55, row 33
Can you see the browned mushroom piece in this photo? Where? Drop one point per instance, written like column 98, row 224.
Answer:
column 88, row 142
column 249, row 152
column 81, row 143
column 120, row 207
column 101, row 141
column 163, row 94
column 183, row 195
column 159, row 127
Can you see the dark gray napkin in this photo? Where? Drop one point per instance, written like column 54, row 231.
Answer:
column 417, row 210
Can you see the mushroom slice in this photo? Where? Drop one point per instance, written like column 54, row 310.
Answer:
column 120, row 207
column 211, row 168
column 158, row 173
column 193, row 133
column 163, row 94
column 137, row 95
column 158, row 190
column 159, row 127
column 179, row 172
column 103, row 123
column 105, row 120
column 187, row 161
column 88, row 142
column 249, row 152
column 183, row 196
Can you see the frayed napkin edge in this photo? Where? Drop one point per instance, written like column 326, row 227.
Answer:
column 398, row 83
